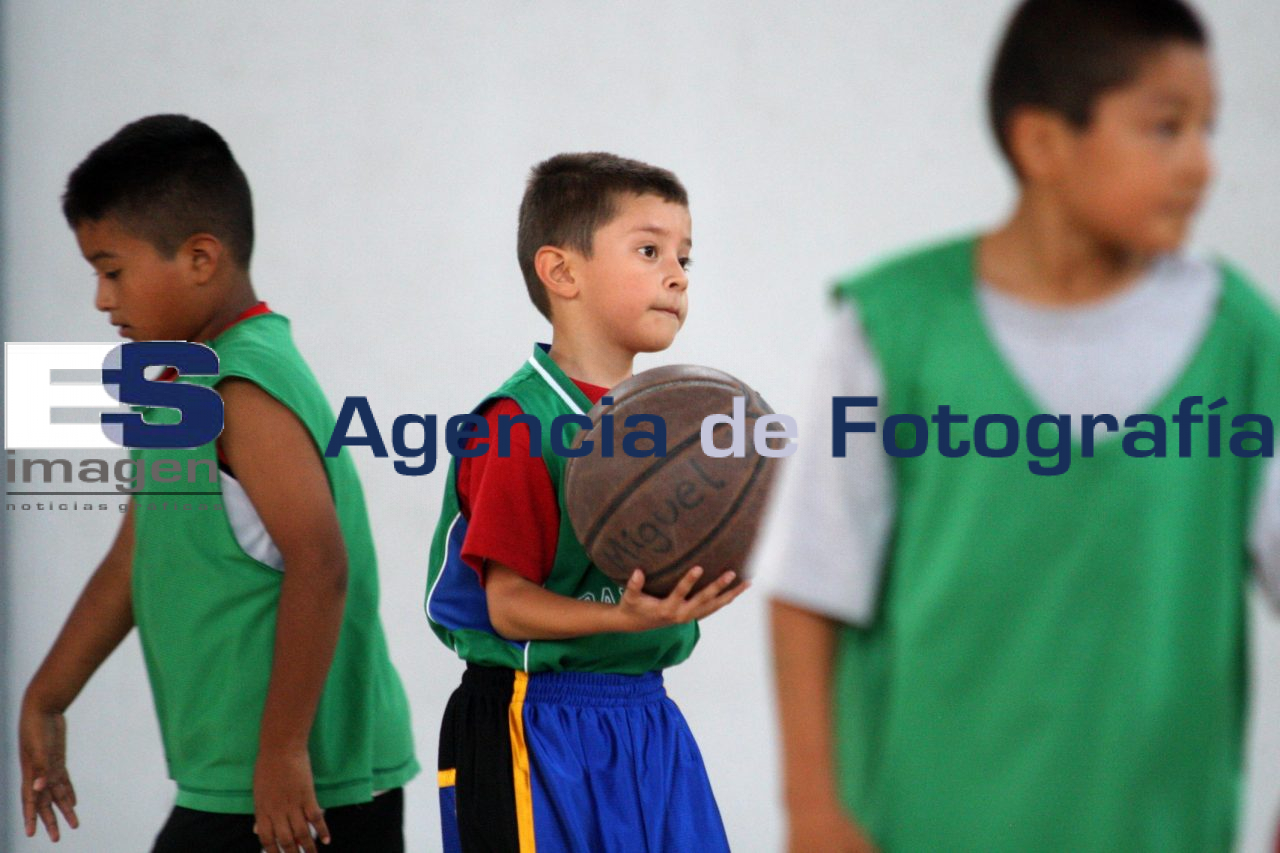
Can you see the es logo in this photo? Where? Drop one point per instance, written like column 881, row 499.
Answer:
column 59, row 395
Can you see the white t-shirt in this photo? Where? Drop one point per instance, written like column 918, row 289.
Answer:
column 824, row 537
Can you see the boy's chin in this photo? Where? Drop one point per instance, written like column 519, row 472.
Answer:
column 1164, row 244
column 1155, row 241
column 653, row 344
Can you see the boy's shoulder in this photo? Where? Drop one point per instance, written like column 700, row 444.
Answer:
column 261, row 348
column 260, row 335
column 523, row 380
column 910, row 273
column 541, row 388
column 1246, row 307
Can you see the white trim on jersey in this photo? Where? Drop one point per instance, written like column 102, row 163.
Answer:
column 444, row 559
column 246, row 525
column 564, row 395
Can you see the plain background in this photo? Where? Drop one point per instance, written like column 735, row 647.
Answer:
column 387, row 147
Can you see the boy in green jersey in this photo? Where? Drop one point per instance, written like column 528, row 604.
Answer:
column 283, row 719
column 561, row 736
column 974, row 657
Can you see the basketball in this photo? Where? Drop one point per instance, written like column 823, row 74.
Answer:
column 667, row 514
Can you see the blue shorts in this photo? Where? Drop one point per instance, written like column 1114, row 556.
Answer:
column 572, row 761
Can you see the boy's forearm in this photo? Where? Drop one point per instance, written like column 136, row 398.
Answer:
column 804, row 646
column 101, row 618
column 520, row 610
column 308, row 622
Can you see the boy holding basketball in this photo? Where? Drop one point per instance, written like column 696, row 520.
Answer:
column 561, row 736
column 972, row 657
column 281, row 713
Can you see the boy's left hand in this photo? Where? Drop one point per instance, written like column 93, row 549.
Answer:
column 643, row 612
column 284, row 803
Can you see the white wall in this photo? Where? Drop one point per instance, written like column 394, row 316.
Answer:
column 387, row 154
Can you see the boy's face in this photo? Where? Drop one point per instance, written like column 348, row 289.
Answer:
column 634, row 286
column 1136, row 174
column 147, row 296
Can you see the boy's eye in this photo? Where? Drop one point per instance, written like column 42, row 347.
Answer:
column 113, row 274
column 649, row 251
column 685, row 263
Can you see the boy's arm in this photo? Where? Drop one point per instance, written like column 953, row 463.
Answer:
column 822, row 549
column 522, row 610
column 804, row 646
column 276, row 461
column 1264, row 534
column 100, row 619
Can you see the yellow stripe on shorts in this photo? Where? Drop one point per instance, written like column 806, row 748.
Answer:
column 447, row 778
column 520, row 764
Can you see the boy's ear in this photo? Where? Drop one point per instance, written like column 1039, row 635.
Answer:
column 1038, row 142
column 555, row 268
column 202, row 254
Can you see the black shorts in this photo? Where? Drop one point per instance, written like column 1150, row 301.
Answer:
column 477, row 798
column 373, row 827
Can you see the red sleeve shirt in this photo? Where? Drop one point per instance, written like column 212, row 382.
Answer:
column 512, row 511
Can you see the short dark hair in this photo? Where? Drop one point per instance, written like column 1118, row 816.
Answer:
column 165, row 177
column 1061, row 55
column 569, row 196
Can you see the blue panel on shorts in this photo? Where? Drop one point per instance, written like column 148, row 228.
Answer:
column 449, row 820
column 614, row 767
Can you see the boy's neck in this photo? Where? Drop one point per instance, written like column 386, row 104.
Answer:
column 239, row 298
column 591, row 362
column 1040, row 255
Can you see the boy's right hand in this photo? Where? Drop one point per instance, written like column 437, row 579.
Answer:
column 643, row 612
column 825, row 830
column 42, row 751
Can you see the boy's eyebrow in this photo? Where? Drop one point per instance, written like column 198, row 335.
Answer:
column 661, row 232
column 1174, row 99
column 98, row 256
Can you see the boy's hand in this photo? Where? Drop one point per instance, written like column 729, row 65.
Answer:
column 643, row 612
column 42, row 751
column 101, row 618
column 284, row 803
column 825, row 829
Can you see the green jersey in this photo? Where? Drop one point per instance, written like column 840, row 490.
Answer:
column 456, row 606
column 205, row 592
column 1058, row 662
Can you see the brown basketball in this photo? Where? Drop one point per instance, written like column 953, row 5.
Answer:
column 667, row 514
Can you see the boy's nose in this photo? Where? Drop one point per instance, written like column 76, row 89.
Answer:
column 1199, row 161
column 678, row 278
column 104, row 299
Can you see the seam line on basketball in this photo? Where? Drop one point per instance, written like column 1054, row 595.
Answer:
column 602, row 517
column 640, row 479
column 555, row 386
column 720, row 525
